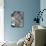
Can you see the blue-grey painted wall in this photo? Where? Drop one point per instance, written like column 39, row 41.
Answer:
column 43, row 6
column 29, row 7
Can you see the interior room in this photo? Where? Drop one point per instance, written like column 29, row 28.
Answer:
column 22, row 23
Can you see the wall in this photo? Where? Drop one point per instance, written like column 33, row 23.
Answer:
column 43, row 6
column 29, row 7
column 1, row 21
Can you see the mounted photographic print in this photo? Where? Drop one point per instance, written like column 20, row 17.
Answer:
column 17, row 19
